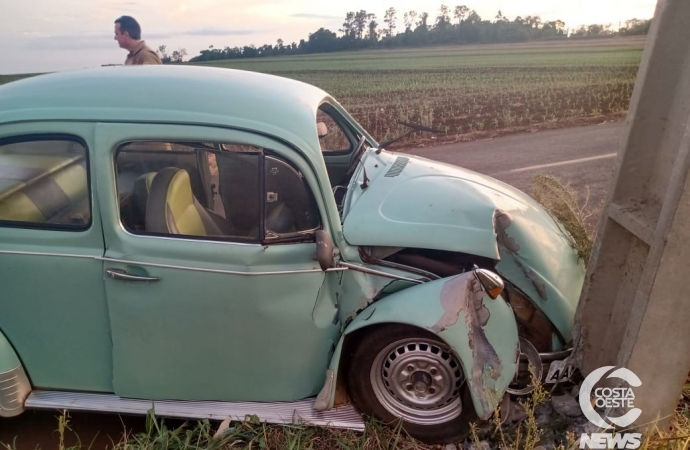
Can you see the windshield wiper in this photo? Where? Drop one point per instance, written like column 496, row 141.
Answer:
column 414, row 127
column 359, row 150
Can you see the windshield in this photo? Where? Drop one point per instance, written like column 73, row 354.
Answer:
column 332, row 136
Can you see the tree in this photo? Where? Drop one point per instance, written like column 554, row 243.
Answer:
column 422, row 24
column 410, row 19
column 349, row 28
column 554, row 27
column 178, row 55
column 500, row 17
column 389, row 18
column 595, row 29
column 362, row 19
column 322, row 40
column 461, row 12
column 636, row 27
column 373, row 34
column 360, row 30
column 249, row 51
column 533, row 21
column 443, row 18
column 473, row 17
column 163, row 51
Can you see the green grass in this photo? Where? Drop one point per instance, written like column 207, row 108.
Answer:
column 253, row 435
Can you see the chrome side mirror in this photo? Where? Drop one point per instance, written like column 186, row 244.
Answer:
column 492, row 283
column 321, row 129
column 325, row 250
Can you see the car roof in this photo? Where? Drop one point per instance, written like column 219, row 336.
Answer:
column 273, row 105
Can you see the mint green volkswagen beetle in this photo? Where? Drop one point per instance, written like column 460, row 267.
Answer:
column 213, row 243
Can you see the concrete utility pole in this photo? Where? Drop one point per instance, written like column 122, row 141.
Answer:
column 634, row 309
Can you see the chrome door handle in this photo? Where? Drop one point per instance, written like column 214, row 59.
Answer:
column 119, row 274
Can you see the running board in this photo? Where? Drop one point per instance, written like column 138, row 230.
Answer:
column 300, row 412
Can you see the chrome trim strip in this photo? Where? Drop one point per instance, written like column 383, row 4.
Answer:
column 169, row 266
column 227, row 272
column 182, row 239
column 378, row 272
column 118, row 274
column 426, row 275
column 66, row 255
column 14, row 389
column 276, row 412
column 554, row 356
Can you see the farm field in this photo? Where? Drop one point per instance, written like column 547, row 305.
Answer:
column 469, row 92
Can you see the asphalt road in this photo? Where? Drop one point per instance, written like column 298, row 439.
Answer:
column 582, row 156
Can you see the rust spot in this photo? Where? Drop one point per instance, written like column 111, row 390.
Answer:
column 464, row 294
column 341, row 397
column 503, row 220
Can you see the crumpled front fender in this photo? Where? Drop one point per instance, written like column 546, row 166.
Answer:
column 482, row 331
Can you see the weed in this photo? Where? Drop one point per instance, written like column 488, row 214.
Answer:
column 563, row 204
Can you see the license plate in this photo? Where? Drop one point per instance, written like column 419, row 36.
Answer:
column 559, row 371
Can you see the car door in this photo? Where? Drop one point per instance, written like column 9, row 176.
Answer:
column 53, row 308
column 213, row 297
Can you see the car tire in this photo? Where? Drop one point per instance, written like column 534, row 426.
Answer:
column 428, row 393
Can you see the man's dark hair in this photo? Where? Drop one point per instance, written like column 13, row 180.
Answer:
column 130, row 25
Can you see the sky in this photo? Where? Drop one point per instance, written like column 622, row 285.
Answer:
column 57, row 35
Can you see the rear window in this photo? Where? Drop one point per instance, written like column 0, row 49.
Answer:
column 44, row 183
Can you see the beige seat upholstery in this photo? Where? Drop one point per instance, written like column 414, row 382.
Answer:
column 40, row 188
column 171, row 207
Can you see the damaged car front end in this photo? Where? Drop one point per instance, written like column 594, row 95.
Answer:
column 438, row 221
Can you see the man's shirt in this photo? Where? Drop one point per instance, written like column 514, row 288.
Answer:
column 142, row 55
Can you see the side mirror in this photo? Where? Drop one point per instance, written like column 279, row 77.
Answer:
column 321, row 129
column 325, row 250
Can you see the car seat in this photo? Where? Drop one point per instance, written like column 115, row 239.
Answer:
column 171, row 207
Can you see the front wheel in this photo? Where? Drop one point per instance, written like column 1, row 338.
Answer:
column 402, row 372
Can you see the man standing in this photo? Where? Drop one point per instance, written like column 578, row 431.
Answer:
column 128, row 36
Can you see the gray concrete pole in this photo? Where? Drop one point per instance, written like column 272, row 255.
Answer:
column 634, row 310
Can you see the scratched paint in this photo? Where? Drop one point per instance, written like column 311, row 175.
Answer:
column 465, row 296
column 503, row 220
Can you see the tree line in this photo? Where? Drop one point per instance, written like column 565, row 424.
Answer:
column 461, row 25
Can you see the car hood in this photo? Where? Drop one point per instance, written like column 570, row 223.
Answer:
column 418, row 203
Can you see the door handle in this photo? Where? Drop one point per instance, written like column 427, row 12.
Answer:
column 120, row 274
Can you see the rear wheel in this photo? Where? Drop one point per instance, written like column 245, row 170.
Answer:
column 402, row 372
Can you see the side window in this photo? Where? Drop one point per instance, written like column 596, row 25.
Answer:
column 44, row 183
column 290, row 208
column 211, row 190
column 137, row 165
column 332, row 137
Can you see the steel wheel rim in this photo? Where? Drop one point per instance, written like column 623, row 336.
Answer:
column 418, row 380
